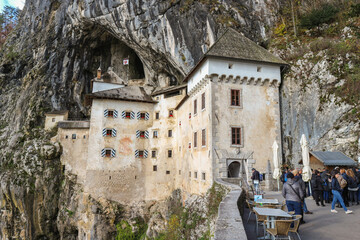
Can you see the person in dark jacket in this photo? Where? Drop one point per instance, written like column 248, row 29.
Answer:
column 298, row 178
column 326, row 179
column 352, row 186
column 318, row 189
column 293, row 194
column 336, row 191
column 345, row 191
column 256, row 179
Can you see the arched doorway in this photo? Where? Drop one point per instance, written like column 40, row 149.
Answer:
column 234, row 170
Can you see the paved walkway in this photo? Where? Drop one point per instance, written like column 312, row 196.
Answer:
column 321, row 225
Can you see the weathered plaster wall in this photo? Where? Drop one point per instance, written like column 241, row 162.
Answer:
column 193, row 159
column 50, row 123
column 75, row 151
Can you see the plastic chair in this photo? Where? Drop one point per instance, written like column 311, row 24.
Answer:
column 295, row 228
column 282, row 228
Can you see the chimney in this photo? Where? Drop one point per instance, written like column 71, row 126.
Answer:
column 99, row 73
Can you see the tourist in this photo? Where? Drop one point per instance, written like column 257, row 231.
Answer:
column 336, row 191
column 326, row 179
column 299, row 179
column 344, row 186
column 318, row 189
column 293, row 194
column 352, row 186
column 256, row 179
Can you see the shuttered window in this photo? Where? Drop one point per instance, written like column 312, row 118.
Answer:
column 235, row 97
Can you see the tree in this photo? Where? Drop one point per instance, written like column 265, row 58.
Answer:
column 8, row 20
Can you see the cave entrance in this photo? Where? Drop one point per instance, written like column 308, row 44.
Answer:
column 108, row 51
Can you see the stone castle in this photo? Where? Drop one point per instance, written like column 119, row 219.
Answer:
column 142, row 143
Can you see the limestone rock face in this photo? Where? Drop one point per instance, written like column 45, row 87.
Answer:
column 47, row 64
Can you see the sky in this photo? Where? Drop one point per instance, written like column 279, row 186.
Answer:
column 14, row 3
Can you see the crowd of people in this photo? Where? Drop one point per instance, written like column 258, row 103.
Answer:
column 340, row 186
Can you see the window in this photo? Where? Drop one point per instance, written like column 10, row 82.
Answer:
column 84, row 136
column 110, row 113
column 195, row 106
column 108, row 153
column 128, row 115
column 155, row 134
column 258, row 69
column 142, row 134
column 141, row 153
column 169, row 153
column 170, row 133
column 154, row 168
column 66, row 137
column 235, row 97
column 179, row 172
column 189, row 144
column 195, row 139
column 171, row 113
column 203, row 137
column 142, row 115
column 53, row 119
column 167, row 172
column 236, row 136
column 195, row 175
column 73, row 136
column 157, row 115
column 203, row 176
column 189, row 174
column 108, row 132
column 153, row 153
column 203, row 101
column 189, row 115
column 230, row 66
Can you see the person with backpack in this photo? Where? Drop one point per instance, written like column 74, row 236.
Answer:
column 293, row 194
column 318, row 189
column 336, row 191
column 256, row 179
column 345, row 191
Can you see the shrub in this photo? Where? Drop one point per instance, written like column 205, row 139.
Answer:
column 325, row 14
column 355, row 10
column 320, row 44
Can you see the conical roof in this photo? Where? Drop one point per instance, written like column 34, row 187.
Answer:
column 233, row 44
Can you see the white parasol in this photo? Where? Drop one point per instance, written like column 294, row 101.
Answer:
column 277, row 171
column 306, row 173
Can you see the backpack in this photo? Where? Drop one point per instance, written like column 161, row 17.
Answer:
column 342, row 182
column 313, row 183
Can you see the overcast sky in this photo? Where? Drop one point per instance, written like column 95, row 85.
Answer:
column 14, row 3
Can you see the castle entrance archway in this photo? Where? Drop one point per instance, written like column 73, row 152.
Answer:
column 236, row 168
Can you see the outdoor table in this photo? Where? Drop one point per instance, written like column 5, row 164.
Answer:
column 267, row 201
column 271, row 214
